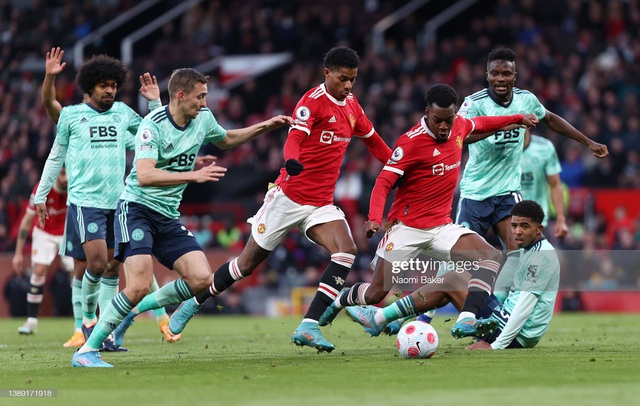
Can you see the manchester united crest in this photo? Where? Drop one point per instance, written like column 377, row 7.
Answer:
column 459, row 142
column 261, row 228
column 389, row 247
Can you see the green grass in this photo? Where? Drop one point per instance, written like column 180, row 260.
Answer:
column 583, row 360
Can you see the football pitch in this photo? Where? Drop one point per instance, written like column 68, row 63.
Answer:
column 585, row 359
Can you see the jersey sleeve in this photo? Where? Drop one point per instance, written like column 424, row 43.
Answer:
column 517, row 319
column 363, row 127
column 552, row 164
column 62, row 128
column 534, row 107
column 147, row 141
column 468, row 109
column 215, row 132
column 134, row 120
column 304, row 116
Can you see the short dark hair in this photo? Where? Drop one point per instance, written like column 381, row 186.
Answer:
column 502, row 54
column 185, row 79
column 341, row 57
column 98, row 69
column 442, row 95
column 530, row 209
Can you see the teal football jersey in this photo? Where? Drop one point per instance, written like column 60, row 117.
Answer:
column 174, row 149
column 96, row 157
column 538, row 273
column 539, row 160
column 493, row 168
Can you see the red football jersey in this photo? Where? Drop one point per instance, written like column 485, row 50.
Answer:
column 323, row 128
column 430, row 171
column 57, row 209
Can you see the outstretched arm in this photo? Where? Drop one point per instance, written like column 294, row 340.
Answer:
column 562, row 127
column 378, row 147
column 242, row 135
column 53, row 65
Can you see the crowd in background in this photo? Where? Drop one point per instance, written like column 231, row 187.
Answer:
column 581, row 58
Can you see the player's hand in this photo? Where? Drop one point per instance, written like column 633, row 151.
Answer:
column 209, row 173
column 53, row 62
column 599, row 150
column 277, row 122
column 293, row 167
column 530, row 120
column 41, row 210
column 561, row 229
column 205, row 159
column 479, row 345
column 149, row 88
column 370, row 228
column 18, row 263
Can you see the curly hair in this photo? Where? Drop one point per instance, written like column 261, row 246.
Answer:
column 501, row 54
column 185, row 79
column 442, row 95
column 530, row 209
column 98, row 69
column 341, row 57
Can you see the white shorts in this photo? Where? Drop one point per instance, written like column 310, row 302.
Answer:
column 279, row 214
column 401, row 242
column 45, row 247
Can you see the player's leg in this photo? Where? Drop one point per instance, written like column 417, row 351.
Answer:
column 138, row 270
column 502, row 227
column 109, row 283
column 78, row 338
column 162, row 317
column 43, row 252
column 34, row 298
column 483, row 262
column 450, row 288
column 277, row 216
column 227, row 274
column 336, row 238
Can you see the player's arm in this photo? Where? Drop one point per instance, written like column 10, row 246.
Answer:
column 291, row 152
column 484, row 126
column 521, row 312
column 387, row 178
column 150, row 90
column 478, row 137
column 377, row 146
column 52, row 168
column 242, row 135
column 23, row 233
column 561, row 126
column 53, row 66
column 149, row 175
column 557, row 198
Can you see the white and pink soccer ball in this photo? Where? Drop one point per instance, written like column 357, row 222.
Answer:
column 417, row 339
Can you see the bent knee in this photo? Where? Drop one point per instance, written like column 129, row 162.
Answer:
column 375, row 295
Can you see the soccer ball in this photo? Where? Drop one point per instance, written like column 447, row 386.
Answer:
column 417, row 339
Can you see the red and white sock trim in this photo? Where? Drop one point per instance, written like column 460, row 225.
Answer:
column 479, row 284
column 36, row 280
column 344, row 259
column 234, row 270
column 328, row 290
column 362, row 291
column 490, row 265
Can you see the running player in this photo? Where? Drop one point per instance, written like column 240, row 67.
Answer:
column 425, row 165
column 147, row 218
column 327, row 117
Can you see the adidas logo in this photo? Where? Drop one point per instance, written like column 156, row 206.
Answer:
column 436, row 152
column 332, row 119
column 83, row 120
column 170, row 146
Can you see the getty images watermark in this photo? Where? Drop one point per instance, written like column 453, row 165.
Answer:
column 406, row 274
